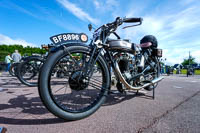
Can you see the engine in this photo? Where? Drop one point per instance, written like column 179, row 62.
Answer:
column 136, row 69
column 127, row 65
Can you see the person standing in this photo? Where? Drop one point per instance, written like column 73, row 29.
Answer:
column 8, row 60
column 16, row 56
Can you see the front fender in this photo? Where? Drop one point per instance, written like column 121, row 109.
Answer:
column 56, row 48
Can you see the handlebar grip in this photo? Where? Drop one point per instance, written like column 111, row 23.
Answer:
column 132, row 20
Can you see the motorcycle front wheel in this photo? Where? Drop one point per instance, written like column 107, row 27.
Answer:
column 28, row 71
column 13, row 69
column 67, row 85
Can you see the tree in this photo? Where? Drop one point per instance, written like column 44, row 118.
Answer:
column 189, row 61
column 5, row 49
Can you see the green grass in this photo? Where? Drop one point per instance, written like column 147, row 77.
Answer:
column 183, row 71
column 174, row 71
column 197, row 72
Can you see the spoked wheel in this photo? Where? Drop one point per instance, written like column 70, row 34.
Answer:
column 79, row 92
column 28, row 71
column 13, row 69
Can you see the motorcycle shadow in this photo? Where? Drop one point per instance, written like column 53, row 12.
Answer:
column 11, row 83
column 30, row 106
column 15, row 111
column 116, row 97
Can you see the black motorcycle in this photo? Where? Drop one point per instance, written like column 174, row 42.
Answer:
column 82, row 89
column 28, row 70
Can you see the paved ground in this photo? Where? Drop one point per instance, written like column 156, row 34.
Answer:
column 175, row 109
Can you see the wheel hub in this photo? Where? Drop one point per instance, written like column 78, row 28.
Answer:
column 77, row 81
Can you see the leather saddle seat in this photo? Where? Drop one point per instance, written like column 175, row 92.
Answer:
column 145, row 45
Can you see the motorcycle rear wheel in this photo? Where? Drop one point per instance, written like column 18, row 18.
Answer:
column 72, row 96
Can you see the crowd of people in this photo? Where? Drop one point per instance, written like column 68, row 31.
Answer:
column 15, row 57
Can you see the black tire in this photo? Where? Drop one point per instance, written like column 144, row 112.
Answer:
column 63, row 109
column 13, row 69
column 30, row 66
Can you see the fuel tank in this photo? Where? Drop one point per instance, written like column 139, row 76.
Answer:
column 121, row 45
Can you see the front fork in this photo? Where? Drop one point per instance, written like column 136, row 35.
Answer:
column 88, row 71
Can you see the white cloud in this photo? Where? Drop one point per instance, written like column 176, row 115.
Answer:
column 107, row 7
column 96, row 4
column 111, row 3
column 186, row 2
column 78, row 12
column 175, row 32
column 9, row 41
column 196, row 55
column 175, row 56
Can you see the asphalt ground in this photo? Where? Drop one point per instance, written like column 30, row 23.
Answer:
column 176, row 108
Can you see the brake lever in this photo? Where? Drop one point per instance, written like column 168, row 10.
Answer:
column 131, row 26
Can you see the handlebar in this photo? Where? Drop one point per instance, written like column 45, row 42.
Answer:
column 119, row 21
column 132, row 20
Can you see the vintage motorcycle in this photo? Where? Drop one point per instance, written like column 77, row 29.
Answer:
column 83, row 89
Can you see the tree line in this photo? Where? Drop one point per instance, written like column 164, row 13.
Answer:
column 189, row 61
column 6, row 49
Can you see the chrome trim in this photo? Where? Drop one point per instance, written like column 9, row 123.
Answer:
column 120, row 44
column 132, row 87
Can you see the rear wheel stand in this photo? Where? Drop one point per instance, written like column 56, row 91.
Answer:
column 153, row 93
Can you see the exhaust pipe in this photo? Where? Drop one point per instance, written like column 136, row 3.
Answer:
column 132, row 87
column 157, row 80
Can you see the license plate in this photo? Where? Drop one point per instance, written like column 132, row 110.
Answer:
column 69, row 38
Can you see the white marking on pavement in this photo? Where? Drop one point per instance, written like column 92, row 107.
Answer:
column 142, row 91
column 178, row 87
column 193, row 81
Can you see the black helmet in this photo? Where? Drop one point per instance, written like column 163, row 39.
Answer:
column 150, row 38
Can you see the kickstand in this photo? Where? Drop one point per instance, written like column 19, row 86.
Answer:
column 137, row 92
column 153, row 93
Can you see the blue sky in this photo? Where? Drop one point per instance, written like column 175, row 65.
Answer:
column 176, row 24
